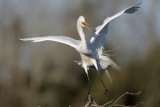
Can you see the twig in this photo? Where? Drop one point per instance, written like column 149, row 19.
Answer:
column 114, row 104
column 138, row 104
column 127, row 93
column 107, row 103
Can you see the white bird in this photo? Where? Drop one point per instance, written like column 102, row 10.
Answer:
column 91, row 52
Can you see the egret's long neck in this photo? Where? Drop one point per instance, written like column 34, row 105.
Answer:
column 82, row 36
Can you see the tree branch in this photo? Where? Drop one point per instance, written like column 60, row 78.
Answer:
column 91, row 103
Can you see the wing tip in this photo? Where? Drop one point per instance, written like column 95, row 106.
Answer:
column 137, row 4
column 21, row 39
column 27, row 39
column 133, row 8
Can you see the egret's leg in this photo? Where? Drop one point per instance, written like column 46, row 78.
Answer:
column 89, row 88
column 85, row 68
column 106, row 90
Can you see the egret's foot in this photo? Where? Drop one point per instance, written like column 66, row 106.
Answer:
column 89, row 98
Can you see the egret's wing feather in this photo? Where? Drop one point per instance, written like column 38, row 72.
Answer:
column 101, row 31
column 62, row 39
column 129, row 10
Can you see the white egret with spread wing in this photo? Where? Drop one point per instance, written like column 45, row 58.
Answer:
column 91, row 52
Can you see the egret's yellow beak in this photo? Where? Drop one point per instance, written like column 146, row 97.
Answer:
column 86, row 25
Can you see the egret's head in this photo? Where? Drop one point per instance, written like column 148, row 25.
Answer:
column 82, row 22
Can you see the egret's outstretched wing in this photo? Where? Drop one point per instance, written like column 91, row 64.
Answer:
column 99, row 37
column 62, row 39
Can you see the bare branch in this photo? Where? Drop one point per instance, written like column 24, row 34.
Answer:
column 107, row 103
column 91, row 103
column 127, row 93
column 138, row 104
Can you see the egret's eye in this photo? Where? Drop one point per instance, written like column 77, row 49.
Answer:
column 83, row 23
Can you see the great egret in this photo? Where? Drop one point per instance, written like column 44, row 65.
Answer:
column 91, row 52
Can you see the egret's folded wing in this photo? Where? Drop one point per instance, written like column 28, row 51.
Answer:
column 62, row 39
column 101, row 30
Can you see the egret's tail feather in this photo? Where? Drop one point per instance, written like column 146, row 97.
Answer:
column 114, row 65
column 108, row 76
